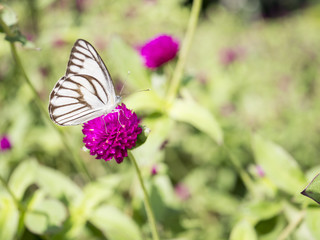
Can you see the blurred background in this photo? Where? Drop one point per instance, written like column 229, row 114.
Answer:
column 253, row 64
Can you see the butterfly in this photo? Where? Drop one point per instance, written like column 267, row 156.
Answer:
column 86, row 91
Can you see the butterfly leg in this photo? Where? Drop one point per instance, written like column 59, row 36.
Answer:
column 119, row 111
column 104, row 123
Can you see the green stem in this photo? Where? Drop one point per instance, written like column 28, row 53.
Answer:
column 292, row 226
column 16, row 201
column 243, row 174
column 19, row 206
column 79, row 164
column 146, row 199
column 186, row 45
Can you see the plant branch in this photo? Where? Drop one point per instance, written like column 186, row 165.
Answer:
column 19, row 206
column 292, row 226
column 186, row 45
column 79, row 164
column 243, row 174
column 146, row 199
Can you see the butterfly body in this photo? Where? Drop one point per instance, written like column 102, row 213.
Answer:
column 86, row 91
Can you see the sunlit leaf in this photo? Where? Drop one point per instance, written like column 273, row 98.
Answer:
column 159, row 130
column 10, row 19
column 243, row 231
column 9, row 217
column 145, row 101
column 56, row 184
column 8, row 15
column 279, row 166
column 44, row 215
column 114, row 224
column 127, row 62
column 313, row 221
column 159, row 82
column 165, row 188
column 198, row 116
column 262, row 210
column 22, row 177
column 93, row 194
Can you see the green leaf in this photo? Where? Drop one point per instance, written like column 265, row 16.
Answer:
column 93, row 194
column 145, row 101
column 160, row 128
column 56, row 184
column 9, row 217
column 162, row 198
column 8, row 15
column 22, row 177
column 279, row 166
column 114, row 224
column 165, row 189
column 127, row 63
column 10, row 19
column 313, row 221
column 243, row 231
column 313, row 189
column 142, row 137
column 198, row 116
column 16, row 37
column 44, row 215
column 262, row 210
column 159, row 83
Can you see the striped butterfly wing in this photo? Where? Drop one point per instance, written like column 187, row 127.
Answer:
column 86, row 91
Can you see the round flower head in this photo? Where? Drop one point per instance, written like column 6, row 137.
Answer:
column 5, row 143
column 111, row 135
column 159, row 50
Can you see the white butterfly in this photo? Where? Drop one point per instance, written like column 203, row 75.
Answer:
column 86, row 91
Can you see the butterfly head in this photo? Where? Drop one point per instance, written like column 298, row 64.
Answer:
column 118, row 99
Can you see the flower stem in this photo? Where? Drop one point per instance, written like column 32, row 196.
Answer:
column 16, row 201
column 292, row 226
column 146, row 199
column 79, row 164
column 19, row 206
column 242, row 173
column 186, row 45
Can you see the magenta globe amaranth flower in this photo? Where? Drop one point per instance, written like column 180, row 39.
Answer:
column 159, row 50
column 111, row 135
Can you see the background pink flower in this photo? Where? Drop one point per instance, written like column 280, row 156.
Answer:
column 154, row 170
column 159, row 50
column 182, row 191
column 231, row 55
column 5, row 143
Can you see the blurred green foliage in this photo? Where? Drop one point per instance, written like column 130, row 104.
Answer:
column 233, row 152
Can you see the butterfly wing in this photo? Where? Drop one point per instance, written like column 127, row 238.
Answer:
column 85, row 60
column 86, row 91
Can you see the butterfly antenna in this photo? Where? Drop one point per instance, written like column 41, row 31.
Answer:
column 143, row 90
column 124, row 83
